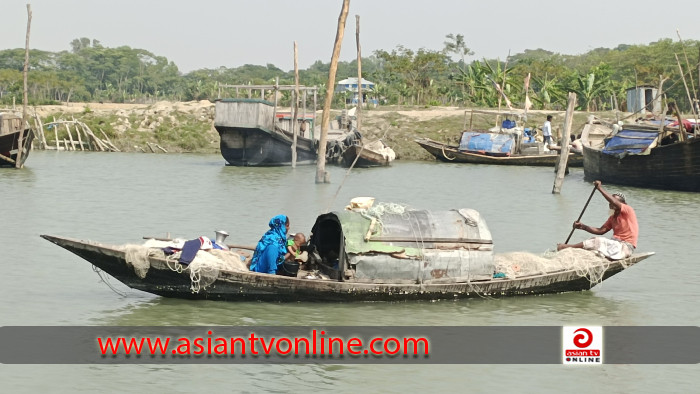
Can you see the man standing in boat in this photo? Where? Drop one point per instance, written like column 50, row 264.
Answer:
column 547, row 130
column 623, row 223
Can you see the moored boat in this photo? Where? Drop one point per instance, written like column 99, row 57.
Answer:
column 251, row 136
column 384, row 253
column 643, row 156
column 375, row 154
column 506, row 144
column 13, row 134
column 451, row 153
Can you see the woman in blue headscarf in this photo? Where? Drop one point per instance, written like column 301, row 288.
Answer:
column 270, row 251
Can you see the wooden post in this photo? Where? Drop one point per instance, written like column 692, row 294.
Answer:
column 70, row 136
column 687, row 92
column 681, row 128
column 295, row 114
column 40, row 128
column 358, row 113
column 321, row 175
column 564, row 154
column 659, row 96
column 80, row 140
column 313, row 129
column 687, row 64
column 274, row 108
column 20, row 141
column 115, row 149
column 304, row 106
column 503, row 89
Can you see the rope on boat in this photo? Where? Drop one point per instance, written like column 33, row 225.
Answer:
column 105, row 280
column 348, row 173
column 445, row 154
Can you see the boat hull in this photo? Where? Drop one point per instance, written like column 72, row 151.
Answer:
column 452, row 154
column 668, row 167
column 9, row 147
column 365, row 158
column 260, row 147
column 162, row 280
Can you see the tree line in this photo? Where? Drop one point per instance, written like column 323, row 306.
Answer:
column 91, row 72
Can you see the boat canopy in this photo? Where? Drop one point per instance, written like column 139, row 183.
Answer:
column 244, row 114
column 631, row 141
column 396, row 244
column 475, row 141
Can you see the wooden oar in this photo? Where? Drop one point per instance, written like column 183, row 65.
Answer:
column 581, row 215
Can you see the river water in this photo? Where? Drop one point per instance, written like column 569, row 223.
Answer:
column 120, row 197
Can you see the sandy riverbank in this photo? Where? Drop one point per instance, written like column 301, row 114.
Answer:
column 171, row 123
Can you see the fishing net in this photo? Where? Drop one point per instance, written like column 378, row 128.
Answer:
column 137, row 258
column 203, row 270
column 375, row 212
column 207, row 264
column 519, row 264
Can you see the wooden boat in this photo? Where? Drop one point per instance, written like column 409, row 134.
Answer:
column 364, row 256
column 353, row 151
column 636, row 156
column 11, row 132
column 251, row 135
column 504, row 144
column 368, row 155
column 451, row 153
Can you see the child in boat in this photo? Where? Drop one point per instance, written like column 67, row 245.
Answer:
column 294, row 252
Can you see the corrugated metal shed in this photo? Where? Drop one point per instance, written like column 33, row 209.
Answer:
column 642, row 99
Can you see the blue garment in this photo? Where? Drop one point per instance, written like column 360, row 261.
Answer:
column 270, row 251
column 189, row 251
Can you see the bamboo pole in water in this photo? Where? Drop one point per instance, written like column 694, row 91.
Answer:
column 20, row 141
column 359, row 73
column 321, row 175
column 564, row 153
column 296, row 106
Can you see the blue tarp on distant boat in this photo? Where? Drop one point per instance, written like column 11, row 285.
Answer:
column 630, row 142
column 474, row 141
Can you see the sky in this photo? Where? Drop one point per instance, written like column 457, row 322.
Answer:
column 198, row 34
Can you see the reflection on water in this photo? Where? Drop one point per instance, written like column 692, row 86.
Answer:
column 117, row 198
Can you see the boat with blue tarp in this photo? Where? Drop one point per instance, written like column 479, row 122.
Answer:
column 645, row 156
column 506, row 144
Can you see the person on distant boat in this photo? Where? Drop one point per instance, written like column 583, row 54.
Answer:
column 576, row 144
column 272, row 247
column 623, row 223
column 547, row 130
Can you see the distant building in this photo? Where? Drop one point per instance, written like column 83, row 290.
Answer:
column 350, row 85
column 642, row 99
